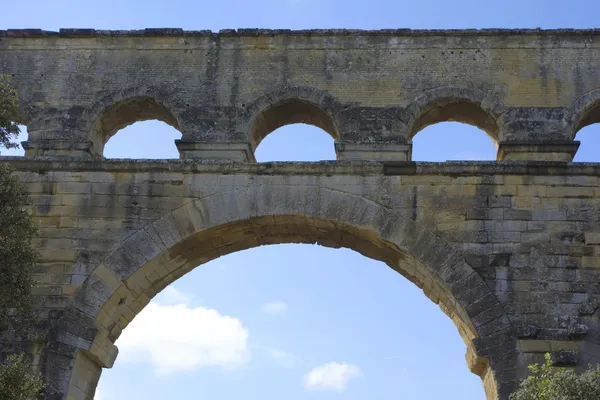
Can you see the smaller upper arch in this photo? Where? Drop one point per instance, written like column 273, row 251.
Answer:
column 118, row 110
column 449, row 103
column 291, row 105
column 584, row 111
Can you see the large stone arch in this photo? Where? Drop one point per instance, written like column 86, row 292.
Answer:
column 450, row 103
column 584, row 111
column 125, row 107
column 290, row 105
column 229, row 221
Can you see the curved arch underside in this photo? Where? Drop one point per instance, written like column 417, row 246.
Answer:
column 291, row 111
column 458, row 111
column 584, row 111
column 208, row 245
column 219, row 224
column 126, row 112
column 297, row 105
column 592, row 116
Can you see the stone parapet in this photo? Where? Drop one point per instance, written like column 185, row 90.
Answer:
column 538, row 151
column 150, row 32
column 240, row 152
column 57, row 148
column 373, row 151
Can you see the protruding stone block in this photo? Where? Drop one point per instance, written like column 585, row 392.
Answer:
column 240, row 151
column 578, row 331
column 565, row 358
column 373, row 151
column 58, row 148
column 588, row 308
column 537, row 151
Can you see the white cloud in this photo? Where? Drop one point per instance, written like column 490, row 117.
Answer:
column 331, row 376
column 275, row 307
column 170, row 296
column 176, row 338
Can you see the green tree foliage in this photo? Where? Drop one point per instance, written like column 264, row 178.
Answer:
column 554, row 383
column 9, row 114
column 17, row 256
column 17, row 382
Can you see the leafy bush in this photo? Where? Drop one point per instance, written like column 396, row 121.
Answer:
column 17, row 382
column 17, row 255
column 9, row 114
column 554, row 383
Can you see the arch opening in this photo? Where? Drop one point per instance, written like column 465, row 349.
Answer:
column 338, row 282
column 207, row 245
column 127, row 112
column 587, row 131
column 453, row 141
column 457, row 110
column 143, row 140
column 223, row 223
column 291, row 111
column 137, row 289
column 296, row 142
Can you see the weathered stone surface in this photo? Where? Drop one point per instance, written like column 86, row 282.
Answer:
column 588, row 307
column 509, row 250
column 578, row 330
column 564, row 358
column 504, row 296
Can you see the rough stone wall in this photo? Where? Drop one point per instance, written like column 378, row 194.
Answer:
column 511, row 253
column 528, row 88
column 509, row 250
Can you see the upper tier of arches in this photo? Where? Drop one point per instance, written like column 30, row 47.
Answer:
column 345, row 123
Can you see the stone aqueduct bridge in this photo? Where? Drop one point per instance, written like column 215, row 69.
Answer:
column 510, row 250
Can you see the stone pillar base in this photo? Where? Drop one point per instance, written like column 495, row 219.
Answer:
column 240, row 151
column 58, row 148
column 373, row 151
column 537, row 151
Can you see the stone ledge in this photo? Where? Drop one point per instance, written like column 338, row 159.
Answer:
column 458, row 168
column 57, row 148
column 548, row 346
column 227, row 151
column 373, row 151
column 562, row 151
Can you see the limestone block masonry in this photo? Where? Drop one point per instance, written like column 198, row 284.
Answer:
column 509, row 249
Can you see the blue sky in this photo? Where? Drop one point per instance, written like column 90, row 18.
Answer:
column 297, row 321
